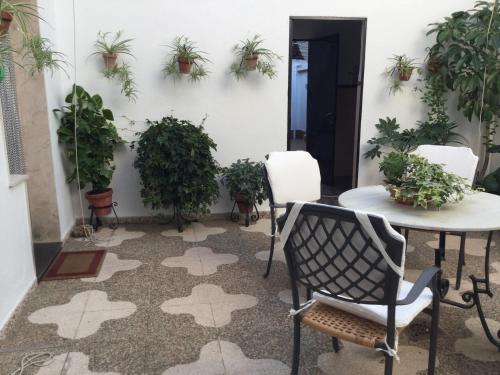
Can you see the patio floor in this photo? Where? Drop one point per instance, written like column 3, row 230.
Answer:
column 197, row 304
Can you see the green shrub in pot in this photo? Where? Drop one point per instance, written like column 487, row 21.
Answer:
column 177, row 168
column 245, row 182
column 97, row 138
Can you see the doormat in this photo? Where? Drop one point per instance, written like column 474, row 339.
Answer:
column 75, row 264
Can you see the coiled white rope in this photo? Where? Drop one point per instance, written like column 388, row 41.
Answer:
column 34, row 359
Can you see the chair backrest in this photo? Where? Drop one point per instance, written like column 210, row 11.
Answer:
column 334, row 251
column 457, row 160
column 293, row 175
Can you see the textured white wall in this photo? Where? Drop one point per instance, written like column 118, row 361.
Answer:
column 246, row 118
column 17, row 271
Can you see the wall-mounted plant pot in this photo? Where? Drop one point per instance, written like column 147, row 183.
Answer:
column 251, row 62
column 101, row 201
column 405, row 75
column 244, row 206
column 109, row 60
column 434, row 66
column 184, row 65
column 6, row 19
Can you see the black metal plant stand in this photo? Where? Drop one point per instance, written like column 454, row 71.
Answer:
column 98, row 221
column 479, row 286
column 235, row 216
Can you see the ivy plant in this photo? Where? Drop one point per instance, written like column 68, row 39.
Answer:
column 467, row 46
column 176, row 166
column 96, row 135
column 244, row 179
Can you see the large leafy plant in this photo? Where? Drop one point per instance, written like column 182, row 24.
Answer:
column 467, row 47
column 421, row 183
column 176, row 166
column 94, row 135
column 245, row 180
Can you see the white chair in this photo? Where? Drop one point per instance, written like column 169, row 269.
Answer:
column 289, row 176
column 462, row 162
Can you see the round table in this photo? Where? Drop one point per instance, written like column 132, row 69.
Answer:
column 478, row 212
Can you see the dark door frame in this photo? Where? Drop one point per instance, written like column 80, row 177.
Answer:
column 360, row 83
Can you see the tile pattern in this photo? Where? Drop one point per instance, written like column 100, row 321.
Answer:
column 278, row 256
column 478, row 347
column 473, row 246
column 261, row 226
column 73, row 363
column 195, row 232
column 107, row 237
column 111, row 265
column 200, row 261
column 222, row 357
column 209, row 304
column 83, row 315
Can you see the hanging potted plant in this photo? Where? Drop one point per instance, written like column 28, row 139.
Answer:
column 245, row 182
column 400, row 71
column 20, row 13
column 253, row 56
column 97, row 139
column 186, row 59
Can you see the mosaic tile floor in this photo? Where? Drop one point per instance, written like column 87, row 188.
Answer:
column 196, row 303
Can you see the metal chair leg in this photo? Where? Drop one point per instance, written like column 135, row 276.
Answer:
column 273, row 239
column 434, row 328
column 389, row 364
column 461, row 260
column 296, row 345
column 336, row 344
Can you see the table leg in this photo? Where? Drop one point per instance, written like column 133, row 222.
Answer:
column 444, row 284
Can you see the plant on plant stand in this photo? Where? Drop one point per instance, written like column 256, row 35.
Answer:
column 252, row 56
column 400, row 71
column 110, row 50
column 245, row 182
column 413, row 180
column 186, row 59
column 177, row 168
column 96, row 137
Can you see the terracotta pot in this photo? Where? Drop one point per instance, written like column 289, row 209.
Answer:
column 434, row 66
column 251, row 62
column 405, row 76
column 101, row 199
column 244, row 206
column 109, row 60
column 6, row 18
column 184, row 65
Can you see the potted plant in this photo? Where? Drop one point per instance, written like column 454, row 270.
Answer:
column 97, row 139
column 110, row 49
column 252, row 56
column 245, row 182
column 185, row 58
column 20, row 12
column 177, row 168
column 413, row 180
column 39, row 55
column 400, row 71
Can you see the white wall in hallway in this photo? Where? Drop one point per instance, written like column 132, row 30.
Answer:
column 246, row 118
column 17, row 270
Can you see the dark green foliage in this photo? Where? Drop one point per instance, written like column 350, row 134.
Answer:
column 394, row 165
column 491, row 183
column 176, row 166
column 390, row 136
column 97, row 138
column 244, row 177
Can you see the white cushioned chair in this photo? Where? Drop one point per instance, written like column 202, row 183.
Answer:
column 462, row 162
column 289, row 176
column 354, row 263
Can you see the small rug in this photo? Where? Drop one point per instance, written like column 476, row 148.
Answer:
column 75, row 264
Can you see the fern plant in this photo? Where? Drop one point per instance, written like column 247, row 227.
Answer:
column 186, row 58
column 253, row 56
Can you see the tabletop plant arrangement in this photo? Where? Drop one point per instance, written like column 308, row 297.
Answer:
column 413, row 180
column 400, row 70
column 97, row 139
column 177, row 168
column 110, row 47
column 245, row 182
column 252, row 56
column 186, row 59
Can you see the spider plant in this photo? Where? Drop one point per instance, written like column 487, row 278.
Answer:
column 110, row 49
column 40, row 55
column 123, row 73
column 399, row 71
column 186, row 59
column 253, row 56
column 20, row 12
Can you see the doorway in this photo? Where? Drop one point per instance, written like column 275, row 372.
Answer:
column 325, row 90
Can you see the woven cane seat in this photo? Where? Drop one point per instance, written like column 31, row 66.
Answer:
column 344, row 325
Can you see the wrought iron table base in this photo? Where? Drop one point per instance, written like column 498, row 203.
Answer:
column 98, row 221
column 254, row 216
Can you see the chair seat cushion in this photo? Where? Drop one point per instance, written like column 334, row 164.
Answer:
column 378, row 313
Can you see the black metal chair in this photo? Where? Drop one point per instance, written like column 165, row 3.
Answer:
column 331, row 252
column 313, row 195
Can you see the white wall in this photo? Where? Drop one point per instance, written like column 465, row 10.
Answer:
column 246, row 118
column 17, row 271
